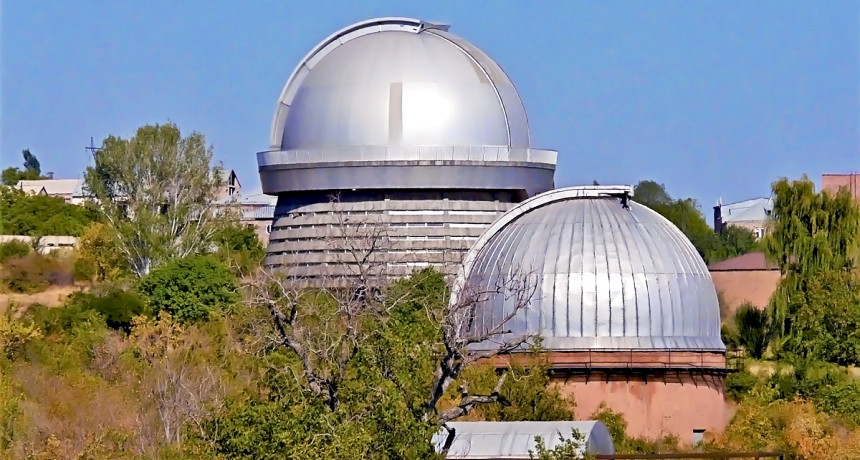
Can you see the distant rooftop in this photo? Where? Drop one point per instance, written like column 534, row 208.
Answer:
column 747, row 262
column 755, row 209
column 51, row 187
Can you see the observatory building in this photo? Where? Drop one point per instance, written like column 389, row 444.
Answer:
column 397, row 123
column 625, row 306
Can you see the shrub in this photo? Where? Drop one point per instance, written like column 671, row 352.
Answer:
column 190, row 288
column 117, row 307
column 13, row 248
column 240, row 248
column 14, row 335
column 752, row 329
column 99, row 257
column 34, row 272
column 740, row 383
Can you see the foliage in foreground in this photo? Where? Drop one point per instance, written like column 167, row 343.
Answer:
column 191, row 288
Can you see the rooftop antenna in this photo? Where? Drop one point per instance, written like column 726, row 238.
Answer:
column 92, row 149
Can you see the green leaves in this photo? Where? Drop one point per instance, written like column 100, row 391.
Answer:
column 40, row 215
column 190, row 288
column 156, row 192
column 816, row 308
column 685, row 214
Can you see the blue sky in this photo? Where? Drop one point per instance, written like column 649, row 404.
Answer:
column 711, row 98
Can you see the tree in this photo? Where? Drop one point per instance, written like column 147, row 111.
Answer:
column 98, row 254
column 685, row 214
column 32, row 170
column 651, row 193
column 350, row 331
column 40, row 215
column 813, row 234
column 155, row 191
column 752, row 327
column 189, row 288
column 240, row 248
column 31, row 163
column 11, row 176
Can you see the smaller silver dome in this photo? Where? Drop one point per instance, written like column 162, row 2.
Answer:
column 605, row 277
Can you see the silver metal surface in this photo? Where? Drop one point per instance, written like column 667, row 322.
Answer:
column 398, row 81
column 497, row 440
column 605, row 277
column 526, row 179
column 406, row 153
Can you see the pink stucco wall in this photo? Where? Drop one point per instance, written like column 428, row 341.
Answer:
column 674, row 403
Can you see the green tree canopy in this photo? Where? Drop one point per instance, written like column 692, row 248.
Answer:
column 40, row 215
column 32, row 170
column 240, row 247
column 189, row 288
column 813, row 241
column 685, row 214
column 155, row 191
column 31, row 163
column 383, row 389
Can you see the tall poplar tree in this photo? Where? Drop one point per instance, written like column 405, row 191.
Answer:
column 156, row 191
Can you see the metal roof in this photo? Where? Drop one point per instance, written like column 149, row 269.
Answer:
column 514, row 440
column 605, row 277
column 398, row 81
column 753, row 210
column 52, row 187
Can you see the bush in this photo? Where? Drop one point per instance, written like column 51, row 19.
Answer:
column 34, row 272
column 752, row 329
column 190, row 288
column 240, row 248
column 99, row 257
column 117, row 307
column 624, row 444
column 740, row 383
column 12, row 249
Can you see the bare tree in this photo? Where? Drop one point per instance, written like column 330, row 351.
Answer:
column 320, row 318
column 182, row 389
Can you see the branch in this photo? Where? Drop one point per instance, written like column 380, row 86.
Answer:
column 468, row 402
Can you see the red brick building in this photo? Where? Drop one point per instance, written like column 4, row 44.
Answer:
column 849, row 181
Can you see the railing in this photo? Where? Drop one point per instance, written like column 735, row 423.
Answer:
column 407, row 153
column 591, row 360
column 699, row 455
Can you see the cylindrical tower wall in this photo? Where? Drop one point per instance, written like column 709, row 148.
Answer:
column 406, row 128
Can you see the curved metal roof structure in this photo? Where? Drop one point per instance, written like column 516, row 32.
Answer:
column 605, row 277
column 398, row 81
column 515, row 440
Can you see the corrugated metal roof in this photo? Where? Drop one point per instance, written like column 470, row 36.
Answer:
column 605, row 277
column 514, row 440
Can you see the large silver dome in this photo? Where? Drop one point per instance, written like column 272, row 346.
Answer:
column 605, row 277
column 398, row 82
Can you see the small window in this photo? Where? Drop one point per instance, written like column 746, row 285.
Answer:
column 698, row 436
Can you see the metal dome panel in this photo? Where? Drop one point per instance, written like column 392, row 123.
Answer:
column 605, row 277
column 398, row 82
